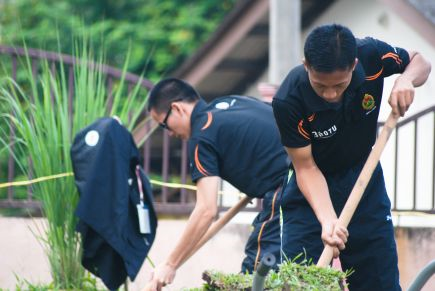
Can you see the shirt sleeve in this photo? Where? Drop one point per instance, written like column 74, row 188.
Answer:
column 394, row 59
column 203, row 160
column 294, row 130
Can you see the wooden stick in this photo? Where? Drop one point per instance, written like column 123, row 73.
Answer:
column 214, row 228
column 219, row 224
column 361, row 184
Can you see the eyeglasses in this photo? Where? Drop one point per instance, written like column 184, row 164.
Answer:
column 164, row 124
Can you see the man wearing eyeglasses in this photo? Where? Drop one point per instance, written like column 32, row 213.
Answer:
column 234, row 138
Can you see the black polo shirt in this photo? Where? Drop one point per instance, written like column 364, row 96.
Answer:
column 236, row 138
column 341, row 134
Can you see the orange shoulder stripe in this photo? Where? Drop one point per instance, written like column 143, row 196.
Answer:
column 394, row 56
column 209, row 120
column 302, row 131
column 198, row 163
column 375, row 76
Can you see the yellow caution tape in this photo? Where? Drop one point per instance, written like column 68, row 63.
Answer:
column 173, row 185
column 51, row 177
column 169, row 185
column 33, row 181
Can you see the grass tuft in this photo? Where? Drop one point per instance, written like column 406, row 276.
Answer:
column 291, row 276
column 45, row 121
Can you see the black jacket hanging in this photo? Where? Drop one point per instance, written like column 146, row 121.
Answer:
column 107, row 173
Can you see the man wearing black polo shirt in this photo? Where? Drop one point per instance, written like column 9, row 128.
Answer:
column 234, row 138
column 327, row 111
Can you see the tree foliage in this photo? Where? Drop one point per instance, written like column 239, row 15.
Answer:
column 159, row 33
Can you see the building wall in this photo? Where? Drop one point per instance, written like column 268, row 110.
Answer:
column 22, row 255
column 416, row 249
column 373, row 18
column 376, row 19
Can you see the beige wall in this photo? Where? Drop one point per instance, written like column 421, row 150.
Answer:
column 22, row 255
column 416, row 249
column 376, row 19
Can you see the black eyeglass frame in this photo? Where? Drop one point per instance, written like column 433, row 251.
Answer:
column 164, row 123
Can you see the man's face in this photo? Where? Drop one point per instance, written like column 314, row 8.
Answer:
column 176, row 120
column 330, row 86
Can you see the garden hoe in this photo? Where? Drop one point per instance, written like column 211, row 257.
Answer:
column 361, row 183
column 219, row 224
column 216, row 227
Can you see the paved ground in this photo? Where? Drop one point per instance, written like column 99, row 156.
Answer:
column 22, row 255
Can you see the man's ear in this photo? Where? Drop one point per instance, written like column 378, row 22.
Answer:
column 178, row 107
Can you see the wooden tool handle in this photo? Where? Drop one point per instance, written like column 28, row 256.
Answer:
column 361, row 183
column 214, row 228
column 219, row 224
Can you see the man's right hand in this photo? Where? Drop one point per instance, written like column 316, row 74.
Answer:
column 334, row 235
column 162, row 275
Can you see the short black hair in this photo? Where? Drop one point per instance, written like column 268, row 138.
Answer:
column 329, row 48
column 170, row 90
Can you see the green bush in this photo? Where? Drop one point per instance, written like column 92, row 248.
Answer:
column 291, row 276
column 160, row 33
column 45, row 128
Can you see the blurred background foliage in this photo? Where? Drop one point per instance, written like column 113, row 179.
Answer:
column 161, row 34
column 158, row 35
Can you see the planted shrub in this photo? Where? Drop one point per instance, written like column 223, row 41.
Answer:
column 291, row 276
column 45, row 121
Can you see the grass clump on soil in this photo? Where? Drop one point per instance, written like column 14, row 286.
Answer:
column 291, row 276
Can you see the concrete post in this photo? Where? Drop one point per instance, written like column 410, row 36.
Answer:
column 284, row 38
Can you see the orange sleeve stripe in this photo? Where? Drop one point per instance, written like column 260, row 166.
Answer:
column 302, row 130
column 260, row 233
column 311, row 117
column 393, row 56
column 198, row 163
column 209, row 120
column 375, row 76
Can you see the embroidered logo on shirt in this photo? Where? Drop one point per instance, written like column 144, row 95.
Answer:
column 225, row 105
column 368, row 102
column 325, row 133
column 222, row 105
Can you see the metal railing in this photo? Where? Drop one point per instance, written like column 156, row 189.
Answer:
column 163, row 157
column 168, row 157
column 167, row 200
column 409, row 161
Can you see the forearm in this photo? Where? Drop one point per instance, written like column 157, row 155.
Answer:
column 417, row 70
column 313, row 186
column 197, row 225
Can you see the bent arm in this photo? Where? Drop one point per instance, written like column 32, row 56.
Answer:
column 417, row 70
column 415, row 74
column 313, row 186
column 199, row 221
column 312, row 183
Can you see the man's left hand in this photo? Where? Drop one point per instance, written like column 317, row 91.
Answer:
column 401, row 96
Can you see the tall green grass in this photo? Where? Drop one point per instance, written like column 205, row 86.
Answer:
column 39, row 110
